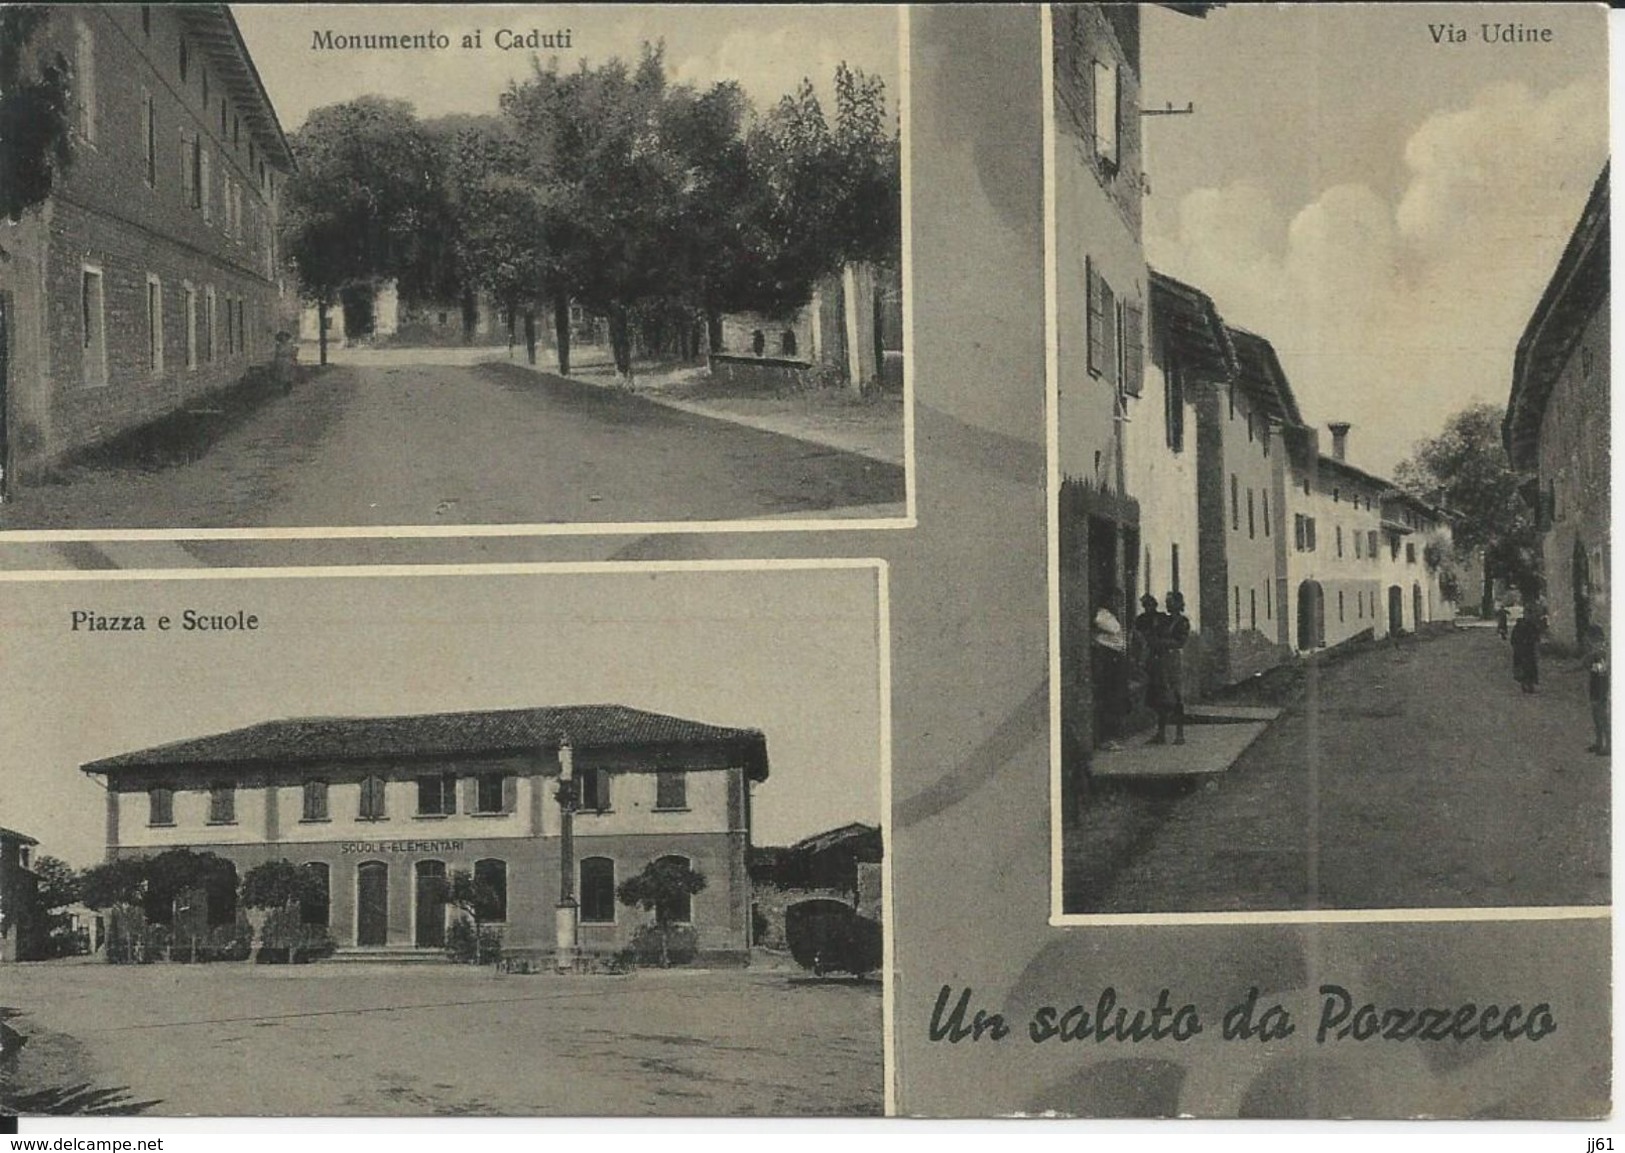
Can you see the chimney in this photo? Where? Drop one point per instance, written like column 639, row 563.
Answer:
column 1340, row 438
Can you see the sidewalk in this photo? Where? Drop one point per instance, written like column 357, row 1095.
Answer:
column 1215, row 738
column 872, row 429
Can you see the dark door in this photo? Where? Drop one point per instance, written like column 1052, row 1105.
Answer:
column 372, row 904
column 1311, row 616
column 1416, row 607
column 5, row 394
column 1396, row 610
column 431, row 905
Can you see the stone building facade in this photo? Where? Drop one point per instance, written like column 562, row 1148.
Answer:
column 384, row 808
column 1557, row 420
column 151, row 276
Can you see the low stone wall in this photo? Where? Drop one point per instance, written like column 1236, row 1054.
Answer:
column 759, row 372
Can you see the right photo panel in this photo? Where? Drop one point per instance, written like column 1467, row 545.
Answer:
column 1329, row 362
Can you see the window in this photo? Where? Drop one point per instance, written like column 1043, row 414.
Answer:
column 490, row 792
column 93, row 327
column 231, row 330
column 189, row 301
column 680, row 909
column 1249, row 428
column 1410, row 552
column 1238, row 606
column 161, row 805
column 1309, row 524
column 223, row 804
column 671, row 790
column 146, row 19
column 185, row 61
column 242, row 329
column 202, row 197
column 1108, row 97
column 372, row 800
column 84, row 82
column 315, row 801
column 1359, row 551
column 437, row 795
column 1339, row 540
column 1359, row 601
column 493, row 875
column 1173, row 407
column 1265, row 498
column 155, row 325
column 1393, row 547
column 1173, row 567
column 1252, row 608
column 1250, row 533
column 597, row 891
column 1371, row 544
column 210, row 324
column 1337, row 495
column 149, row 136
column 222, row 116
column 315, row 904
column 1340, row 606
column 1269, row 610
column 236, row 131
column 595, row 789
column 1235, row 502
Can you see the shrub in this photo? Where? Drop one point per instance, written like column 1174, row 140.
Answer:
column 286, row 939
column 467, row 946
column 682, row 945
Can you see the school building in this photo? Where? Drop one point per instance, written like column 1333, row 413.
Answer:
column 151, row 276
column 384, row 808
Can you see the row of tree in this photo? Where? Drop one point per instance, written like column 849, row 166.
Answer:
column 137, row 892
column 658, row 206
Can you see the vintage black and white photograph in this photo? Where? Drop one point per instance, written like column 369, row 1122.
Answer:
column 561, row 842
column 451, row 269
column 1330, row 361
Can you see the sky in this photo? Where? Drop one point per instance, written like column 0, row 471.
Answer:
column 1386, row 210
column 767, row 49
column 793, row 653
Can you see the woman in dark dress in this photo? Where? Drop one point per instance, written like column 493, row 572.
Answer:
column 1168, row 669
column 1525, row 661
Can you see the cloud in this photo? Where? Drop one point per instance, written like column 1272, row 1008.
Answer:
column 1394, row 311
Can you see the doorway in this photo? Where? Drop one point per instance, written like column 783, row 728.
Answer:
column 1311, row 616
column 372, row 904
column 1396, row 610
column 429, row 928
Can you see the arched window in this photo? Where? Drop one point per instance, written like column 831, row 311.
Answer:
column 315, row 906
column 493, row 875
column 680, row 910
column 597, row 891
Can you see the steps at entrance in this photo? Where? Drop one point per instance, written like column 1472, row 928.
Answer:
column 388, row 955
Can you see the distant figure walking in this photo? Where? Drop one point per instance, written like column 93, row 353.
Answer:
column 284, row 361
column 1525, row 655
column 1501, row 622
column 1109, row 664
column 1146, row 626
column 1597, row 685
column 1167, row 680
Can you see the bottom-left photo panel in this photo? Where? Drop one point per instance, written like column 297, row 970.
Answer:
column 568, row 840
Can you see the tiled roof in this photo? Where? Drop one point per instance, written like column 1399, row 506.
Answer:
column 430, row 734
column 1261, row 376
column 1185, row 317
column 13, row 835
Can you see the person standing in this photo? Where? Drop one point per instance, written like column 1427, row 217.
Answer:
column 1597, row 688
column 1142, row 646
column 1525, row 652
column 1168, row 669
column 1108, row 650
column 1501, row 622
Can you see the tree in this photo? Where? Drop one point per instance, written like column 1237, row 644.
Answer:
column 367, row 204
column 58, row 888
column 35, row 142
column 475, row 899
column 117, row 888
column 1465, row 469
column 280, row 887
column 662, row 886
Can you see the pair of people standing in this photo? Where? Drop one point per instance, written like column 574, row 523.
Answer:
column 1161, row 638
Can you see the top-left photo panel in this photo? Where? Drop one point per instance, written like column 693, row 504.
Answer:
column 363, row 270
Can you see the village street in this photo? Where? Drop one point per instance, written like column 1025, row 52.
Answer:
column 420, row 437
column 241, row 1040
column 1403, row 777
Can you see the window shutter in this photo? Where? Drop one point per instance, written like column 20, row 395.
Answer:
column 1093, row 320
column 471, row 794
column 510, row 793
column 1108, row 331
column 1133, row 349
